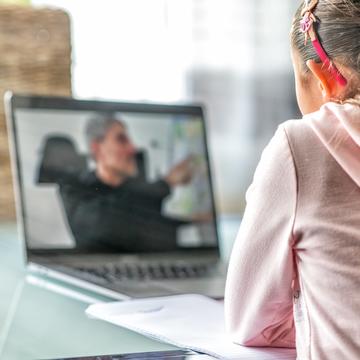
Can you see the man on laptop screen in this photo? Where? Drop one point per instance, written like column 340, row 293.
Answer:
column 121, row 182
column 113, row 207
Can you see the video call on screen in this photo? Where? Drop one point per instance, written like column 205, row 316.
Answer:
column 120, row 182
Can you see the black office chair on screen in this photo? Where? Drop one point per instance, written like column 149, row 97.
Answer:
column 60, row 158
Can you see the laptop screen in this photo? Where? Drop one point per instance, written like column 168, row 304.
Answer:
column 113, row 177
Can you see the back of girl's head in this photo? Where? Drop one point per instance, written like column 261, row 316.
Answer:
column 338, row 30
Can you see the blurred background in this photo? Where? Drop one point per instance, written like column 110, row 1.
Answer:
column 232, row 56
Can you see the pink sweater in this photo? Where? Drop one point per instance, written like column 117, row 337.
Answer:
column 295, row 265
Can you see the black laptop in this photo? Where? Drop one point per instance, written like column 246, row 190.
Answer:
column 115, row 197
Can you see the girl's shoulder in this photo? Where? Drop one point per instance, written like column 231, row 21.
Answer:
column 308, row 151
column 327, row 142
column 300, row 137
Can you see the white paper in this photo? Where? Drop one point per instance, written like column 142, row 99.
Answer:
column 188, row 321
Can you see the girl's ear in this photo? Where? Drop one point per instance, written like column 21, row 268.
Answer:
column 327, row 84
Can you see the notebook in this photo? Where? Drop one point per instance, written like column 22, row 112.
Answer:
column 192, row 322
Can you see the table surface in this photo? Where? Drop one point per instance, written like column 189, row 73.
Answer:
column 39, row 323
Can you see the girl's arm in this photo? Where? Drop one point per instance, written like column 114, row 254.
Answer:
column 258, row 296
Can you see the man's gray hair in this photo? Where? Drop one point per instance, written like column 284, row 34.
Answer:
column 99, row 124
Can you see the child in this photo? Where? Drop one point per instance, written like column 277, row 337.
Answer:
column 294, row 274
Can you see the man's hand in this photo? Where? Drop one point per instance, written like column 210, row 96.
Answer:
column 181, row 173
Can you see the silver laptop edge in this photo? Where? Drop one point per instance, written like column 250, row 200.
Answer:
column 15, row 175
column 45, row 271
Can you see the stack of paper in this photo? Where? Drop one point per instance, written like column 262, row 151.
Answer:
column 193, row 322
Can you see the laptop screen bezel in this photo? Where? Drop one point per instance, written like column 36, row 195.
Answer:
column 15, row 102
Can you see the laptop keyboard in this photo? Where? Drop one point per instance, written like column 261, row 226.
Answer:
column 152, row 271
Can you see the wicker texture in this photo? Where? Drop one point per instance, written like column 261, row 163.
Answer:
column 35, row 58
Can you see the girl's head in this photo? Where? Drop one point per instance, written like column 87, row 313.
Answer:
column 337, row 28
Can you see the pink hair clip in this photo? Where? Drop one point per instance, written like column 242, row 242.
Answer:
column 307, row 27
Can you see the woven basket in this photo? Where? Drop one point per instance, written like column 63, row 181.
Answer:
column 35, row 58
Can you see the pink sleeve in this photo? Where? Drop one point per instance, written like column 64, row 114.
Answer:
column 258, row 295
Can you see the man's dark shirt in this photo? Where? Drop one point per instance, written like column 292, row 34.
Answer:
column 125, row 218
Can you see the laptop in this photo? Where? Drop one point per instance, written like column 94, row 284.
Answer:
column 115, row 197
